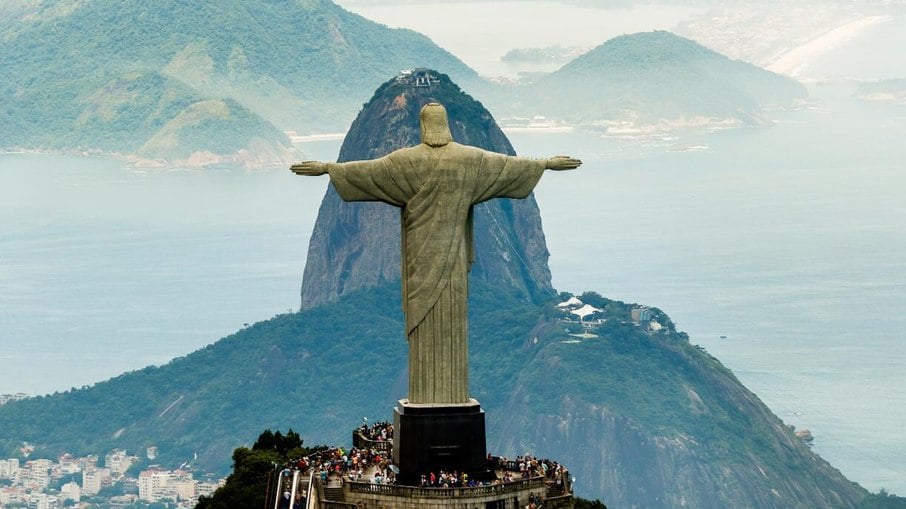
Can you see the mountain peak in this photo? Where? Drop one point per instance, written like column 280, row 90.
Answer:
column 652, row 77
column 357, row 245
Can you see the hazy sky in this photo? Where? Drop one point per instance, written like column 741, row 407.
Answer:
column 818, row 39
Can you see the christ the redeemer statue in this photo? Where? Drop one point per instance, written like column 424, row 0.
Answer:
column 436, row 185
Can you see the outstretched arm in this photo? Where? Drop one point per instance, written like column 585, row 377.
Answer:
column 514, row 177
column 369, row 180
column 309, row 168
column 560, row 163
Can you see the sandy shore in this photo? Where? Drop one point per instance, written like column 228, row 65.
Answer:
column 303, row 138
column 792, row 62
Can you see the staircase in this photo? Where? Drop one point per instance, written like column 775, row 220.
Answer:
column 334, row 494
column 552, row 489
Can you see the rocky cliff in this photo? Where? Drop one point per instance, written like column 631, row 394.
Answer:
column 646, row 420
column 357, row 245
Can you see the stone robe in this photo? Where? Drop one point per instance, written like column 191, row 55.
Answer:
column 436, row 189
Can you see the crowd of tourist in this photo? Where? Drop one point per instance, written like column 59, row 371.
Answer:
column 523, row 467
column 448, row 480
column 526, row 467
column 339, row 464
column 368, row 464
column 377, row 432
column 299, row 503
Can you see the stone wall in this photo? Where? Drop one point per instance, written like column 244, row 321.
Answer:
column 512, row 495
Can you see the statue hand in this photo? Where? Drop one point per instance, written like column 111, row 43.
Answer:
column 559, row 163
column 309, row 168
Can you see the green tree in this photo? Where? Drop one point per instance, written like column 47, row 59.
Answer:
column 254, row 469
column 581, row 503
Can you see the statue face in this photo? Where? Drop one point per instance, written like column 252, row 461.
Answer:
column 434, row 125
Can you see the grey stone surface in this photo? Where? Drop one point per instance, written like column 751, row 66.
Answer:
column 356, row 245
column 436, row 184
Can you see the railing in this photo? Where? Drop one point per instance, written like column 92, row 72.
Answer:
column 294, row 485
column 310, row 494
column 425, row 492
column 330, row 504
column 558, row 502
column 362, row 442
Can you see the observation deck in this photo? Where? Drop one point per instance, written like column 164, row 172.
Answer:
column 363, row 478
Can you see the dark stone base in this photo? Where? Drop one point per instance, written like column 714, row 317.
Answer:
column 431, row 438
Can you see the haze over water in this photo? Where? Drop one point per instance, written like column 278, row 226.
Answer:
column 788, row 240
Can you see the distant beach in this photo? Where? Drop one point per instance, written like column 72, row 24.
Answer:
column 793, row 61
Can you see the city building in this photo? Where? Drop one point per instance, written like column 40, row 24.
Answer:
column 71, row 491
column 39, row 472
column 154, row 485
column 9, row 468
column 118, row 462
column 44, row 501
column 94, row 479
column 12, row 495
column 68, row 465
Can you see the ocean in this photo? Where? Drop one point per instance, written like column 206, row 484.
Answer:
column 781, row 249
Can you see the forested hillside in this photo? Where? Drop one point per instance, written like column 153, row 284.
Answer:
column 652, row 78
column 115, row 75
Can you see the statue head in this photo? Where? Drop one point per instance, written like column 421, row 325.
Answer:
column 434, row 124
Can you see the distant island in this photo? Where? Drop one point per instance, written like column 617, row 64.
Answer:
column 529, row 62
column 652, row 82
column 166, row 86
column 171, row 83
column 893, row 91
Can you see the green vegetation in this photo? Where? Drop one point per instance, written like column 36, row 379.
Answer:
column 255, row 469
column 286, row 370
column 581, row 503
column 222, row 127
column 659, row 381
column 648, row 77
column 324, row 368
column 883, row 500
column 137, row 77
column 109, row 75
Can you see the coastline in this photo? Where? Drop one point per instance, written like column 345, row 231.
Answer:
column 199, row 160
column 792, row 62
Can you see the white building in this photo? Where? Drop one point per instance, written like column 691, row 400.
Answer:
column 71, row 491
column 184, row 488
column 11, row 495
column 69, row 465
column 89, row 462
column 43, row 501
column 94, row 479
column 206, row 489
column 154, row 485
column 118, row 461
column 9, row 468
column 39, row 472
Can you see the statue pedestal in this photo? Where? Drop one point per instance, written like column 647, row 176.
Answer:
column 433, row 437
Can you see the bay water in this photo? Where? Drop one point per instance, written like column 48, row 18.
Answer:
column 781, row 249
